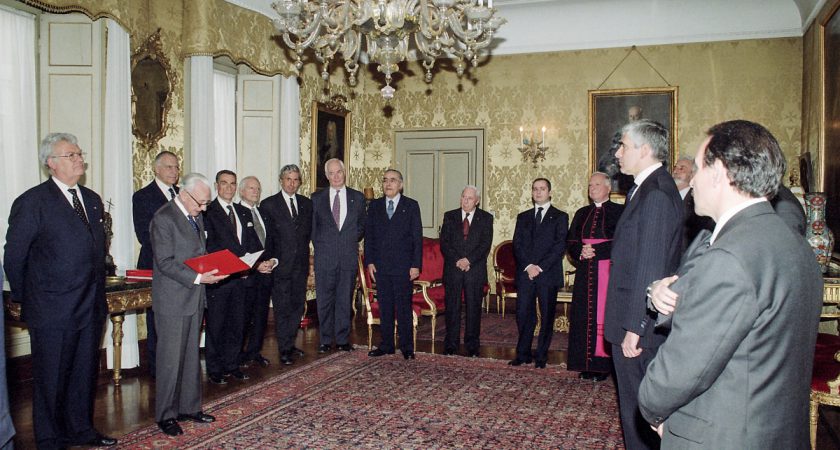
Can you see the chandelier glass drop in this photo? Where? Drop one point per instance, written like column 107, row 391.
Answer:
column 389, row 32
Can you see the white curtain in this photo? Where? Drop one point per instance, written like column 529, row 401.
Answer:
column 289, row 121
column 18, row 105
column 201, row 135
column 224, row 118
column 117, row 186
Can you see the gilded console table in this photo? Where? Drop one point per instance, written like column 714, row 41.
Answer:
column 122, row 296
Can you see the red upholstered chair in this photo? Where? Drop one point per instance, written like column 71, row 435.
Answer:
column 372, row 305
column 825, row 380
column 504, row 264
column 428, row 287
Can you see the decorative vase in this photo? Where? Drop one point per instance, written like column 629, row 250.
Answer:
column 816, row 233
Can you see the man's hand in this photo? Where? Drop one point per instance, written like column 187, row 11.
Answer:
column 587, row 252
column 372, row 272
column 630, row 345
column 211, row 277
column 662, row 297
column 463, row 264
column 533, row 270
column 413, row 273
column 265, row 267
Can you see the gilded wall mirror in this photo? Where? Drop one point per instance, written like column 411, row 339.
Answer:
column 151, row 91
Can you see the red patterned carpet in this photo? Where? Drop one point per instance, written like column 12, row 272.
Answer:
column 348, row 400
column 495, row 331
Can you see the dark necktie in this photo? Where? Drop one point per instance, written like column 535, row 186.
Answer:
column 539, row 215
column 336, row 209
column 390, row 209
column 258, row 225
column 77, row 205
column 294, row 210
column 171, row 193
column 631, row 191
column 466, row 226
column 232, row 217
column 194, row 224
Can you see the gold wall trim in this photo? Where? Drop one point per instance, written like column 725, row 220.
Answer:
column 102, row 10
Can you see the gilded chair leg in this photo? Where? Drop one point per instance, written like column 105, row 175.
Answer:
column 503, row 306
column 813, row 417
column 370, row 338
column 433, row 329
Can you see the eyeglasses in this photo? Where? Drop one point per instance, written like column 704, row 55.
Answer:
column 200, row 204
column 75, row 156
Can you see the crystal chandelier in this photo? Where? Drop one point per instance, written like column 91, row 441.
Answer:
column 390, row 31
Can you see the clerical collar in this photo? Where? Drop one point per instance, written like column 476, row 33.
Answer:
column 598, row 205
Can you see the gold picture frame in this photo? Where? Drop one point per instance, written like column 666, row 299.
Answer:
column 152, row 86
column 330, row 138
column 829, row 155
column 611, row 109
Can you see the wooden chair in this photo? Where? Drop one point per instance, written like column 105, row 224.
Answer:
column 825, row 379
column 504, row 265
column 372, row 305
column 429, row 293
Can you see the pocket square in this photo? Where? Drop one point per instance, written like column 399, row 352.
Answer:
column 250, row 224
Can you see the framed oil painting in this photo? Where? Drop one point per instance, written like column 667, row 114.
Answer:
column 830, row 158
column 609, row 110
column 330, row 138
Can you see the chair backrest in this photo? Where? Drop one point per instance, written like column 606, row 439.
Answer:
column 365, row 282
column 432, row 261
column 504, row 259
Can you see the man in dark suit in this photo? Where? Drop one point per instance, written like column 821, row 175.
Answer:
column 289, row 215
column 465, row 239
column 394, row 258
column 682, row 173
column 145, row 203
column 55, row 262
column 229, row 227
column 735, row 371
column 338, row 224
column 178, row 296
column 539, row 244
column 258, row 283
column 646, row 247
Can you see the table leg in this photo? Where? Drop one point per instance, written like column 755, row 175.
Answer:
column 117, row 337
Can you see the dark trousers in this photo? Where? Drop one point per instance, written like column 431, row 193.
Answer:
column 223, row 332
column 64, row 367
column 178, row 384
column 459, row 287
column 528, row 293
column 255, row 315
column 394, row 296
column 289, row 296
column 629, row 373
column 334, row 297
column 151, row 340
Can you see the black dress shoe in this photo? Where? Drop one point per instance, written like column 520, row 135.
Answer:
column 473, row 354
column 519, row 362
column 170, row 427
column 599, row 376
column 449, row 352
column 379, row 352
column 345, row 347
column 539, row 364
column 408, row 355
column 198, row 417
column 217, row 379
column 324, row 348
column 286, row 359
column 262, row 361
column 238, row 375
column 100, row 440
column 585, row 375
column 298, row 352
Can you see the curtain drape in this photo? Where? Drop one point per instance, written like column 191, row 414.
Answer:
column 289, row 121
column 201, row 135
column 224, row 118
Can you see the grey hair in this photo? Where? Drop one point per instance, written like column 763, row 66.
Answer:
column 245, row 180
column 399, row 174
column 649, row 132
column 190, row 180
column 606, row 177
column 160, row 156
column 475, row 189
column 326, row 164
column 289, row 168
column 46, row 148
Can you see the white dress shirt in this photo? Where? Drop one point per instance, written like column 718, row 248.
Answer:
column 342, row 199
column 235, row 214
column 64, row 190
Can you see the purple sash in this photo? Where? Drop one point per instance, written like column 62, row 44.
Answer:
column 601, row 349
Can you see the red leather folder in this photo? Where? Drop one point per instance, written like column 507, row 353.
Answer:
column 139, row 274
column 224, row 260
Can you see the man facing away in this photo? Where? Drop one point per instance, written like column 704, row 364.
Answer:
column 744, row 308
column 539, row 244
column 394, row 258
column 338, row 224
column 465, row 239
column 590, row 244
column 55, row 263
column 646, row 247
column 290, row 227
column 177, row 234
column 144, row 204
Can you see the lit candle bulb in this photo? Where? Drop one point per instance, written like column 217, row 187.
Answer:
column 543, row 135
column 521, row 135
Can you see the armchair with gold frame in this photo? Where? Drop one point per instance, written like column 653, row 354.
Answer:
column 429, row 293
column 825, row 378
column 372, row 305
column 504, row 265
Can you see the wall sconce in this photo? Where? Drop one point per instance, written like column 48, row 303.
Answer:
column 531, row 150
